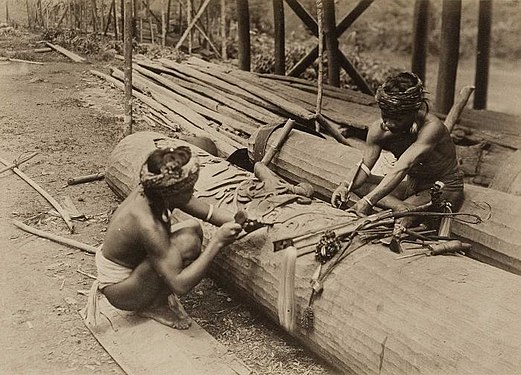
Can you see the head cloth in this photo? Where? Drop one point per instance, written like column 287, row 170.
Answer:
column 393, row 97
column 178, row 172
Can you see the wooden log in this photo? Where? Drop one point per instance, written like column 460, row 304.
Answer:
column 266, row 95
column 376, row 314
column 86, row 178
column 508, row 177
column 201, row 104
column 71, row 55
column 326, row 164
column 210, row 91
column 218, row 83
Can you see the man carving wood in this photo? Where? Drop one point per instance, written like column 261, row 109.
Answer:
column 145, row 261
column 421, row 144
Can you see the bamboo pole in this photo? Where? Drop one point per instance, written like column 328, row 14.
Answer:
column 64, row 214
column 18, row 162
column 127, row 126
column 53, row 237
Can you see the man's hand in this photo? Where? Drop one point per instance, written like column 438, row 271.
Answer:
column 227, row 233
column 362, row 208
column 340, row 195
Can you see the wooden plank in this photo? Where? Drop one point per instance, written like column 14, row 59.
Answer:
column 71, row 55
column 143, row 346
column 376, row 314
column 223, row 144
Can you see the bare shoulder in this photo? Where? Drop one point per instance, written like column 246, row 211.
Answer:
column 433, row 128
column 375, row 132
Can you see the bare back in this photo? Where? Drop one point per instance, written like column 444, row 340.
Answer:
column 125, row 238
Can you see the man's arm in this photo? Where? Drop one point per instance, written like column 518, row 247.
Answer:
column 372, row 151
column 202, row 210
column 425, row 143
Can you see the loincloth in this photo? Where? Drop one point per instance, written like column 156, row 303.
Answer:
column 109, row 273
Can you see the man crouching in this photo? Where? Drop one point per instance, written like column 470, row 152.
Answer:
column 145, row 261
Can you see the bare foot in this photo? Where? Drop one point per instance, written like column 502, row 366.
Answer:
column 183, row 319
column 166, row 315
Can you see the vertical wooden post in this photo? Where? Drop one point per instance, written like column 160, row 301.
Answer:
column 7, row 11
column 188, row 23
column 420, row 35
column 163, row 21
column 94, row 16
column 127, row 126
column 333, row 66
column 449, row 50
column 168, row 11
column 115, row 18
column 482, row 54
column 135, row 10
column 224, row 53
column 149, row 15
column 243, row 28
column 280, row 36
column 29, row 17
column 102, row 11
column 122, row 11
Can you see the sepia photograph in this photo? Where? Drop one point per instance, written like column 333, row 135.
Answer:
column 260, row 187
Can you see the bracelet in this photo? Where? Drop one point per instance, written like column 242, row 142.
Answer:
column 365, row 168
column 368, row 201
column 210, row 213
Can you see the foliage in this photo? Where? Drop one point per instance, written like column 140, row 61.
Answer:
column 263, row 61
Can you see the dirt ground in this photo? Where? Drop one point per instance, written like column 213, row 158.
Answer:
column 72, row 120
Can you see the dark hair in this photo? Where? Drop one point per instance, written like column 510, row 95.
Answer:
column 156, row 159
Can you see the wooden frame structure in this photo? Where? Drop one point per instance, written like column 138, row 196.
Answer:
column 100, row 16
column 449, row 50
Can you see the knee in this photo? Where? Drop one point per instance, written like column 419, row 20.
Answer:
column 188, row 240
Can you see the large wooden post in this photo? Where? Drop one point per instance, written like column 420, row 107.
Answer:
column 280, row 43
column 330, row 36
column 128, row 66
column 243, row 26
column 482, row 54
column 420, row 34
column 449, row 51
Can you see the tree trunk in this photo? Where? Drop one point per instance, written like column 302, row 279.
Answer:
column 376, row 314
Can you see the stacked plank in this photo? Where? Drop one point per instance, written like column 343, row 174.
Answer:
column 222, row 102
column 376, row 314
